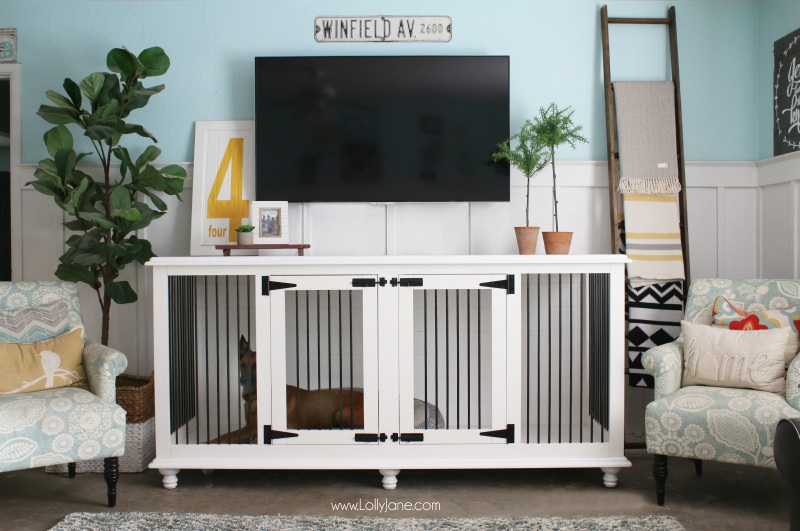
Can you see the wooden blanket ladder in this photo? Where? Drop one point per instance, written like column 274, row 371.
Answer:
column 613, row 153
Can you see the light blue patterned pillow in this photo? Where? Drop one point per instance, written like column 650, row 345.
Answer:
column 35, row 324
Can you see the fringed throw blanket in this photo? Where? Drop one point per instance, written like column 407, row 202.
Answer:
column 653, row 239
column 648, row 146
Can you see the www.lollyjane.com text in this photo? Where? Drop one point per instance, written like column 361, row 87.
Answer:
column 385, row 506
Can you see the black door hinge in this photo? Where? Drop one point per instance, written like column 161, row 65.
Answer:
column 408, row 437
column 407, row 282
column 368, row 282
column 371, row 437
column 507, row 433
column 268, row 285
column 507, row 284
column 270, row 434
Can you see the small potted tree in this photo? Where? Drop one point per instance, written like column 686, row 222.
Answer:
column 524, row 151
column 553, row 127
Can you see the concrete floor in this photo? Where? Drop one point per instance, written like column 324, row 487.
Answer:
column 725, row 497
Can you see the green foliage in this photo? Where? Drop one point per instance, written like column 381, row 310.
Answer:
column 107, row 212
column 525, row 151
column 553, row 127
column 245, row 228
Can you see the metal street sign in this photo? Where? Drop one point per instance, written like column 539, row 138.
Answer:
column 383, row 29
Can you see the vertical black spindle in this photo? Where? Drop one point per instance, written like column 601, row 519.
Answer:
column 425, row 344
column 307, row 324
column 560, row 356
column 352, row 405
column 227, row 353
column 480, row 368
column 528, row 356
column 296, row 412
column 549, row 358
column 469, row 359
column 436, row 351
column 539, row 358
column 458, row 360
column 341, row 353
column 330, row 379
column 569, row 349
column 447, row 357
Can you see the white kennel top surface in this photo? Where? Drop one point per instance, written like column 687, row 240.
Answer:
column 390, row 260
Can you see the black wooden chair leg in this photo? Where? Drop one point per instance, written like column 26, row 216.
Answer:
column 660, row 475
column 111, row 475
column 787, row 459
column 71, row 469
column 698, row 466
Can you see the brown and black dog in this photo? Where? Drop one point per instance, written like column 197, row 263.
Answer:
column 321, row 409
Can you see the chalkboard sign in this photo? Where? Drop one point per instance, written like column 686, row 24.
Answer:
column 787, row 94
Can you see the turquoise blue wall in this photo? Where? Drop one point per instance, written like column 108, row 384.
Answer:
column 554, row 48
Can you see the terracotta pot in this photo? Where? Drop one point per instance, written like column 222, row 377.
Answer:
column 557, row 242
column 244, row 238
column 526, row 239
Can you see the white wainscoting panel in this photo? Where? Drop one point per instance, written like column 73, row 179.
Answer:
column 779, row 183
column 341, row 229
column 427, row 228
column 701, row 209
column 737, row 248
column 778, row 259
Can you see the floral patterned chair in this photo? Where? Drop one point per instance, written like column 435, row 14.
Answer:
column 703, row 422
column 65, row 424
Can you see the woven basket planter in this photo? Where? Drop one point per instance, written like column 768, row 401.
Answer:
column 136, row 395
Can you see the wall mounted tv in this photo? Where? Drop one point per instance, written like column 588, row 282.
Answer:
column 381, row 129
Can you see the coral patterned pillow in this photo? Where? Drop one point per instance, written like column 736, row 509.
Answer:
column 727, row 315
column 56, row 362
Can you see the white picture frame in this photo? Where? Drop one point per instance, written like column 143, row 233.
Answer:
column 223, row 177
column 271, row 221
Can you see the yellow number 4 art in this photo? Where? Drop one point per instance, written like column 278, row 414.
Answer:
column 237, row 207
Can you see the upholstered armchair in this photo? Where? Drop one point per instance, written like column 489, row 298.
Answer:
column 724, row 421
column 57, row 415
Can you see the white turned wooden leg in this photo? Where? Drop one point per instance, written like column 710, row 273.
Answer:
column 389, row 478
column 610, row 477
column 170, row 479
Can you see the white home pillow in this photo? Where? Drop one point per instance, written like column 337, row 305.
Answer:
column 752, row 359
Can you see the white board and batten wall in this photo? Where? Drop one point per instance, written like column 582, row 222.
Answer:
column 743, row 223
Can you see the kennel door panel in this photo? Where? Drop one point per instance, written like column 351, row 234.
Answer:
column 452, row 364
column 324, row 358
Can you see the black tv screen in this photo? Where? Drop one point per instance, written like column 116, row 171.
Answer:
column 381, row 129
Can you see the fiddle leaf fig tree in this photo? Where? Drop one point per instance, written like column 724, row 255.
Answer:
column 106, row 208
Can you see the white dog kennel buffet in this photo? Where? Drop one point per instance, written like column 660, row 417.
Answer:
column 448, row 362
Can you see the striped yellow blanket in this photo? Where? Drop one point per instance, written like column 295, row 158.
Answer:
column 653, row 238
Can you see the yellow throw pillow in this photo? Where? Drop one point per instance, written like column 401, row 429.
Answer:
column 49, row 364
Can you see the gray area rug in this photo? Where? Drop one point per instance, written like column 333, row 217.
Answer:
column 137, row 521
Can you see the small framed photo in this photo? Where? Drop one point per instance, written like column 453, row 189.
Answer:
column 271, row 221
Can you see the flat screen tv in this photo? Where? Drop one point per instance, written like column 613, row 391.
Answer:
column 381, row 129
